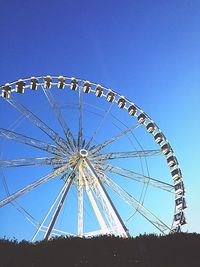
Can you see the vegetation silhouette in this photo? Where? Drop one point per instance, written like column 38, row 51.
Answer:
column 174, row 250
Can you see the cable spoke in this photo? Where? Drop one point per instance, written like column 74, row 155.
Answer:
column 136, row 176
column 35, row 184
column 128, row 154
column 23, row 139
column 136, row 205
column 39, row 123
column 56, row 109
column 22, row 162
column 114, row 138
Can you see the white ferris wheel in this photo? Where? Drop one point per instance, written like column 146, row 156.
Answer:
column 80, row 159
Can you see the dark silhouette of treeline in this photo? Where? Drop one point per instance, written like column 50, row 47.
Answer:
column 174, row 250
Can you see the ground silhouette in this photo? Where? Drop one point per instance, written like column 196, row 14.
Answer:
column 174, row 250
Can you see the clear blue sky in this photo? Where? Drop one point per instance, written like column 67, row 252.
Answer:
column 148, row 51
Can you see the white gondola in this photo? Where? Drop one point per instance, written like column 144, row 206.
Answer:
column 151, row 127
column 86, row 87
column 176, row 174
column 121, row 102
column 179, row 188
column 20, row 86
column 159, row 138
column 180, row 218
column 171, row 161
column 33, row 83
column 110, row 96
column 74, row 84
column 141, row 118
column 61, row 82
column 132, row 110
column 177, row 216
column 99, row 91
column 47, row 82
column 166, row 149
column 6, row 91
column 181, row 203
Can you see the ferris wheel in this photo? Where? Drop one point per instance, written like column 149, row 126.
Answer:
column 80, row 159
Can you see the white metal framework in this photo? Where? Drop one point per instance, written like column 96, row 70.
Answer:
column 86, row 164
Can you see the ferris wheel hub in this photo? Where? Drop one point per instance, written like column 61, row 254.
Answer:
column 83, row 153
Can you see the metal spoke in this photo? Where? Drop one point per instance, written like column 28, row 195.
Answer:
column 104, row 198
column 58, row 113
column 35, row 184
column 92, row 186
column 114, row 138
column 22, row 162
column 94, row 205
column 17, row 206
column 99, row 126
column 80, row 202
column 136, row 205
column 23, row 139
column 39, row 123
column 80, row 119
column 128, row 154
column 49, row 211
column 136, row 176
column 71, row 178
